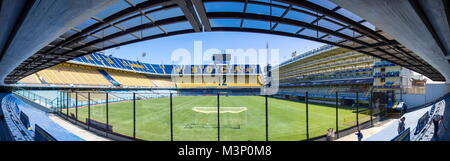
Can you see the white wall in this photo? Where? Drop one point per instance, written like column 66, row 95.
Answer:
column 433, row 91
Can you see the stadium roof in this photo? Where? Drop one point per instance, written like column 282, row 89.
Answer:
column 131, row 21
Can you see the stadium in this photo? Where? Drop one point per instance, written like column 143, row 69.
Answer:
column 60, row 80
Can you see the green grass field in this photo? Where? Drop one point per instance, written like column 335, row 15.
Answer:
column 287, row 119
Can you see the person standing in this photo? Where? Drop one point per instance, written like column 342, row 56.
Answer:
column 436, row 119
column 332, row 135
column 401, row 125
column 328, row 134
column 359, row 134
column 404, row 108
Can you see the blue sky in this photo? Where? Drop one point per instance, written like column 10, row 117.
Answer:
column 159, row 50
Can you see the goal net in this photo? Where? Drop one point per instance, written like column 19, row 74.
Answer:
column 230, row 117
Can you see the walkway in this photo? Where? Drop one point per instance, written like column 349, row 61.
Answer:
column 80, row 132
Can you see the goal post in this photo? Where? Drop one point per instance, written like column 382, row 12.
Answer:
column 230, row 117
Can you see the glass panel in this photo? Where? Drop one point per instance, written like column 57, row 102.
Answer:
column 190, row 119
column 257, row 24
column 364, row 112
column 369, row 25
column 120, row 112
column 287, row 118
column 324, row 3
column 225, row 22
column 177, row 26
column 280, row 3
column 108, row 31
column 224, row 7
column 104, row 44
column 264, row 10
column 124, row 38
column 139, row 20
column 86, row 24
column 72, row 107
column 151, row 31
column 347, row 112
column 153, row 117
column 348, row 32
column 312, row 33
column 68, row 34
column 88, row 39
column 287, row 28
column 64, row 103
column 151, row 9
column 307, row 10
column 349, row 14
column 80, row 104
column 335, row 21
column 328, row 25
column 242, row 118
column 300, row 16
column 332, row 38
column 98, row 107
column 116, row 21
column 83, row 108
column 164, row 14
column 322, row 115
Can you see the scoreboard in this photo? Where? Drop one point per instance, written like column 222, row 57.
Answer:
column 221, row 58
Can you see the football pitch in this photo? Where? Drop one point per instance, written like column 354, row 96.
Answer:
column 287, row 119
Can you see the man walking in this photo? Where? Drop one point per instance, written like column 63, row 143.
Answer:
column 436, row 119
column 359, row 134
column 401, row 125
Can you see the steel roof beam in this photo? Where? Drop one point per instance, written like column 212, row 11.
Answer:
column 246, row 2
column 322, row 10
column 318, row 19
column 188, row 9
column 80, row 35
column 244, row 11
column 285, row 21
column 136, row 15
column 278, row 33
column 133, row 30
column 200, row 8
column 346, row 27
column 115, row 16
column 147, row 38
column 130, row 30
column 302, row 37
column 286, row 11
column 145, row 15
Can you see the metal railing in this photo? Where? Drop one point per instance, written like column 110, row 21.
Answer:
column 52, row 104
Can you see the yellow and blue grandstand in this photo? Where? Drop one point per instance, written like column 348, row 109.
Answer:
column 101, row 70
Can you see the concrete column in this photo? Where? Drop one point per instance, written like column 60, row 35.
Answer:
column 46, row 20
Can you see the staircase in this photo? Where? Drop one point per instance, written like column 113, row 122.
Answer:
column 108, row 77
